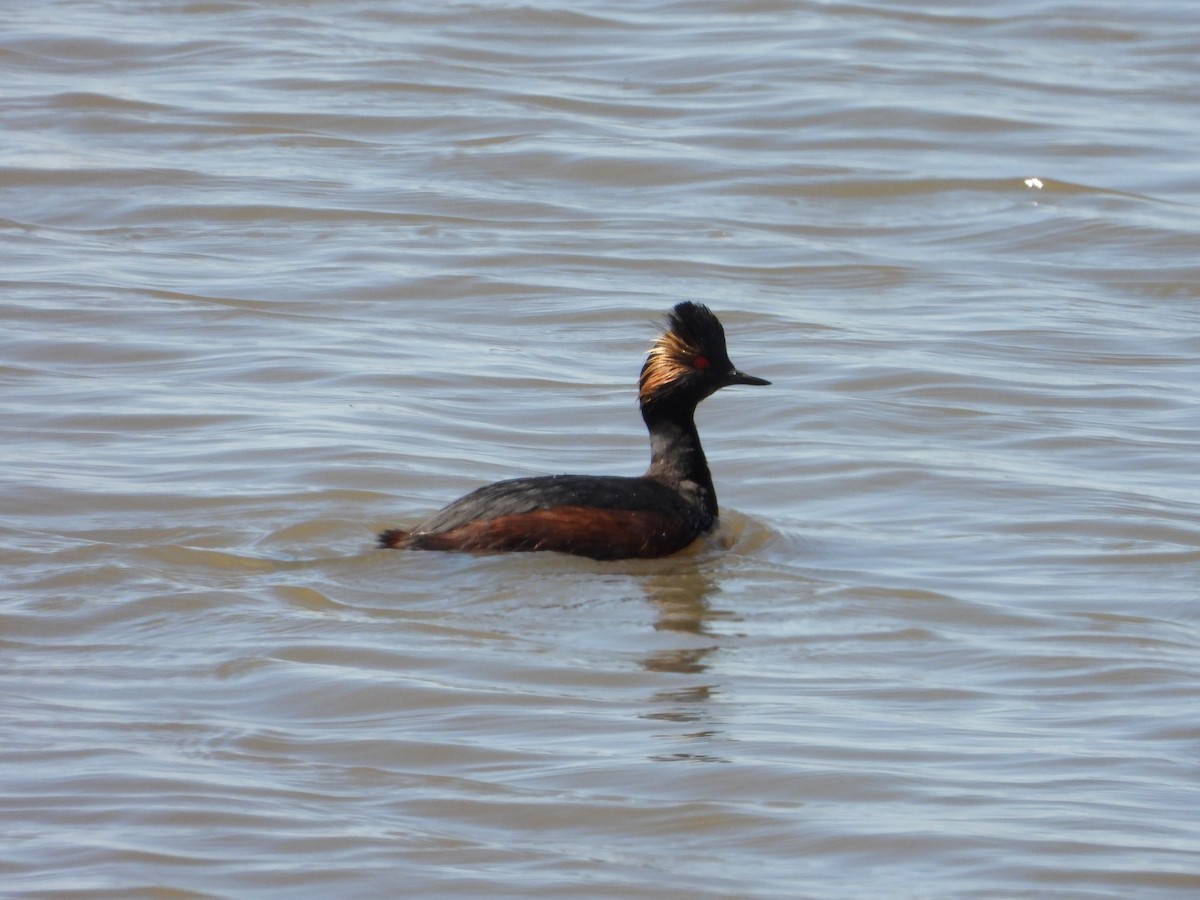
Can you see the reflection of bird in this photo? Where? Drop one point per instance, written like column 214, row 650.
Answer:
column 610, row 517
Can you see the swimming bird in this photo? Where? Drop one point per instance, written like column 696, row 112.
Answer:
column 607, row 516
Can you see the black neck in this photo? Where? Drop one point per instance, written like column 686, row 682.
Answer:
column 677, row 459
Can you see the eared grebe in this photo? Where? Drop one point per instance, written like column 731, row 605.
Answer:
column 604, row 516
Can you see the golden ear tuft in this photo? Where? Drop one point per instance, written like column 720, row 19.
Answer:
column 670, row 358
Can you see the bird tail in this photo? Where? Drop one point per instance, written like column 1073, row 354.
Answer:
column 393, row 538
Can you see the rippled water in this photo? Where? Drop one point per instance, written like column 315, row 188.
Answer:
column 277, row 276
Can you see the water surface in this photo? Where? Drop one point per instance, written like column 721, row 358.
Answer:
column 276, row 277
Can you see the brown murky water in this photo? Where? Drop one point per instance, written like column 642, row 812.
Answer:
column 278, row 276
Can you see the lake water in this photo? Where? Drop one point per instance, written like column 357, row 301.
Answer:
column 276, row 276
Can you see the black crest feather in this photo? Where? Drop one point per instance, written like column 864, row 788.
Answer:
column 698, row 327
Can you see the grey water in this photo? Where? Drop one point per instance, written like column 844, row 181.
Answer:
column 278, row 276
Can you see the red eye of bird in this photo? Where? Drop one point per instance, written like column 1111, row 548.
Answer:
column 700, row 362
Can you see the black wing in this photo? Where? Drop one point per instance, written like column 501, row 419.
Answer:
column 525, row 495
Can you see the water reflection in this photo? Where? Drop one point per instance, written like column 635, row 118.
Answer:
column 682, row 601
column 683, row 608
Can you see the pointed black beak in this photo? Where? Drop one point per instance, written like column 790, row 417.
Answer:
column 736, row 377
